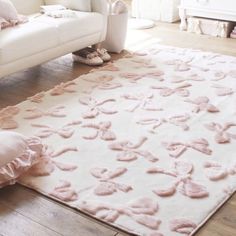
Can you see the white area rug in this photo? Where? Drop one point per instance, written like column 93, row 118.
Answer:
column 146, row 144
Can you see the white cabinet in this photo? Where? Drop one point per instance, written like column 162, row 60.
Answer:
column 158, row 10
column 216, row 9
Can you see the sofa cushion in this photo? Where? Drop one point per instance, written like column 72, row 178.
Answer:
column 78, row 5
column 17, row 155
column 70, row 29
column 8, row 11
column 26, row 39
column 27, row 7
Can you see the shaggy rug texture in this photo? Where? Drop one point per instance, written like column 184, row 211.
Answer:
column 146, row 144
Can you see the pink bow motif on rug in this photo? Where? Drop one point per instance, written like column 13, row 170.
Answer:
column 62, row 88
column 182, row 226
column 144, row 102
column 130, row 152
column 181, row 171
column 7, row 117
column 64, row 192
column 222, row 90
column 102, row 130
column 178, row 120
column 141, row 210
column 185, row 65
column 181, row 79
column 211, row 57
column 216, row 171
column 180, row 65
column 156, row 74
column 46, row 165
column 219, row 75
column 108, row 67
column 104, row 82
column 232, row 73
column 202, row 104
column 155, row 51
column 38, row 112
column 37, row 98
column 106, row 186
column 143, row 63
column 180, row 90
column 134, row 77
column 176, row 149
column 223, row 135
column 95, row 107
column 65, row 131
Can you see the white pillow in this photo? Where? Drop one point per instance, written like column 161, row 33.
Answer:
column 17, row 155
column 8, row 11
column 78, row 5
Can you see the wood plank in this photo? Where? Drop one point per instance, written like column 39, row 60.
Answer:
column 12, row 223
column 213, row 230
column 49, row 214
column 223, row 222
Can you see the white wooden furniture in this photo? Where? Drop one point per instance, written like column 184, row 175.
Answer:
column 215, row 9
column 157, row 10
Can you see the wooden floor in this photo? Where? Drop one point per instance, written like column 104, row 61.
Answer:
column 24, row 212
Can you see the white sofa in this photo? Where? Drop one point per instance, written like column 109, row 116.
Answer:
column 44, row 38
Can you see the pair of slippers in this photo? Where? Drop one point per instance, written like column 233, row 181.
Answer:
column 91, row 56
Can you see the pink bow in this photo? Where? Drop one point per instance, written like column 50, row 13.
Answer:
column 179, row 90
column 64, row 192
column 37, row 112
column 181, row 171
column 202, row 104
column 106, row 186
column 182, row 225
column 144, row 102
column 176, row 149
column 232, row 73
column 222, row 131
column 222, row 90
column 134, row 77
column 104, row 82
column 180, row 79
column 219, row 75
column 37, row 98
column 180, row 65
column 102, row 129
column 141, row 210
column 46, row 165
column 144, row 63
column 216, row 171
column 108, row 67
column 95, row 107
column 62, row 88
column 65, row 131
column 129, row 151
column 178, row 120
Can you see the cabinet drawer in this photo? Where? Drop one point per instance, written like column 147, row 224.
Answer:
column 220, row 5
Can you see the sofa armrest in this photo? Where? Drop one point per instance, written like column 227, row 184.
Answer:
column 100, row 6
